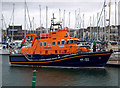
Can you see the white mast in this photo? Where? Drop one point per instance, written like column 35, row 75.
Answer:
column 13, row 23
column 59, row 14
column 64, row 19
column 33, row 25
column 47, row 19
column 115, row 14
column 75, row 19
column 115, row 22
column 25, row 19
column 97, row 35
column 69, row 22
column 93, row 26
column 104, row 21
column 1, row 28
column 90, row 29
column 40, row 14
column 1, row 23
column 83, row 26
column 79, row 24
column 102, row 29
column 109, row 21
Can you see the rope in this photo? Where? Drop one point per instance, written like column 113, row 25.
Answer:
column 98, row 21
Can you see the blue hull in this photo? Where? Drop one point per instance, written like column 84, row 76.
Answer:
column 97, row 59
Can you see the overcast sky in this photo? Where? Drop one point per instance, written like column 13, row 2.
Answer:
column 87, row 7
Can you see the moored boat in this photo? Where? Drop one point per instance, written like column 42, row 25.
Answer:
column 57, row 49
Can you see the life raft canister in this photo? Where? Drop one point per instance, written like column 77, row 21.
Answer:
column 43, row 35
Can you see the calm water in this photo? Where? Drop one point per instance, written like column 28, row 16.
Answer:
column 22, row 76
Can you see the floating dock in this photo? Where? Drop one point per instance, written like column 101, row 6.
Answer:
column 114, row 61
column 4, row 52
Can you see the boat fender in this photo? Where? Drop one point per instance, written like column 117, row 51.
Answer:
column 10, row 51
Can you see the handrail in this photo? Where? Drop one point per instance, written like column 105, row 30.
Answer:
column 36, row 46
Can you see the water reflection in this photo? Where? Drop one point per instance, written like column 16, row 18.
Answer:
column 68, row 77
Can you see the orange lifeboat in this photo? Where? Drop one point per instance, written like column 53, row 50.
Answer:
column 57, row 48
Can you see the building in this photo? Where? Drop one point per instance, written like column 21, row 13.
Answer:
column 114, row 33
column 16, row 31
column 91, row 33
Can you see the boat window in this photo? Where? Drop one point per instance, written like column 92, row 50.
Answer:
column 66, row 34
column 45, row 44
column 71, row 41
column 40, row 43
column 54, row 33
column 46, row 52
column 63, row 42
column 53, row 43
column 58, row 42
column 55, row 51
column 67, row 42
column 65, row 51
column 75, row 41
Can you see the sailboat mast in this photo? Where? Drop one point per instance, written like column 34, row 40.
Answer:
column 83, row 26
column 115, row 22
column 64, row 19
column 1, row 29
column 102, row 29
column 90, row 29
column 46, row 18
column 25, row 20
column 0, row 23
column 75, row 19
column 79, row 19
column 40, row 14
column 97, row 33
column 109, row 21
column 13, row 23
column 93, row 27
column 33, row 26
column 104, row 21
column 69, row 22
column 115, row 14
column 59, row 14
